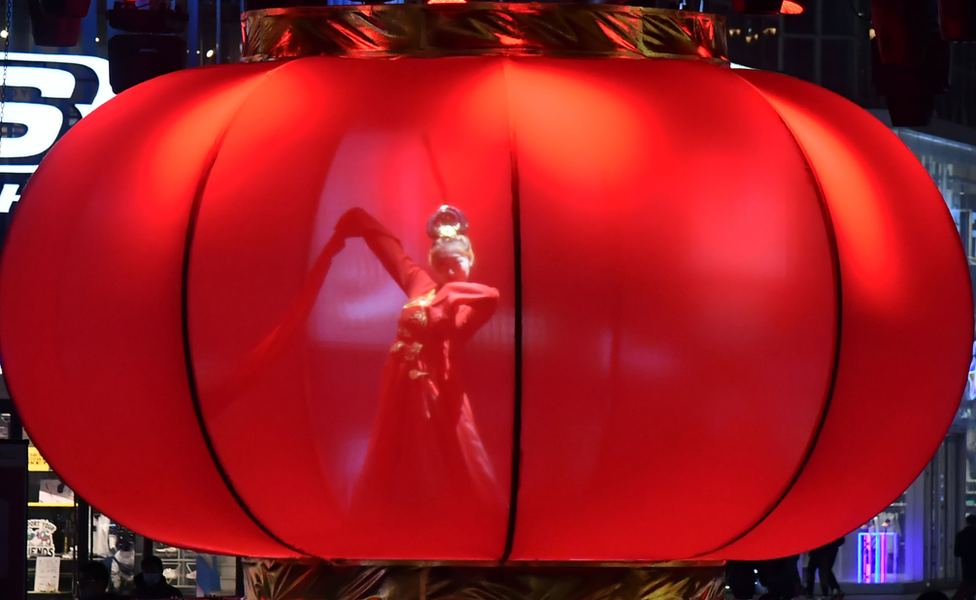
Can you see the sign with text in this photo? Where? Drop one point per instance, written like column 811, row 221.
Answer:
column 47, row 94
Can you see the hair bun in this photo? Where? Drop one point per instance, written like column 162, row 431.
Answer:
column 447, row 222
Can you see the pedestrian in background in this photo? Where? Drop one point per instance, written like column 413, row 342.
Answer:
column 822, row 560
column 151, row 585
column 965, row 549
column 93, row 578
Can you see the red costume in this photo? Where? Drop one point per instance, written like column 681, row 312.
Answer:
column 424, row 449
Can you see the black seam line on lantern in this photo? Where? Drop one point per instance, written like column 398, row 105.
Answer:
column 517, row 251
column 185, row 324
column 839, row 300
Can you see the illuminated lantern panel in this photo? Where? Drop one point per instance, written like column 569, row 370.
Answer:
column 687, row 282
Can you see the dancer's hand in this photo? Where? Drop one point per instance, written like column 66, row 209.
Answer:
column 355, row 222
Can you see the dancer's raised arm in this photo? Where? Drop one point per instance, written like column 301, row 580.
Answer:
column 411, row 278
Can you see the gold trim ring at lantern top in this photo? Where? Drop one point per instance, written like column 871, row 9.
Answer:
column 483, row 29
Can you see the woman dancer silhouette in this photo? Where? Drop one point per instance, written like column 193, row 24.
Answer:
column 425, row 461
column 425, row 450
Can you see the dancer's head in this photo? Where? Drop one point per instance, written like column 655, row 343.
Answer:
column 451, row 255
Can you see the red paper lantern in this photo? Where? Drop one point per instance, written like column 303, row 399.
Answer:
column 720, row 296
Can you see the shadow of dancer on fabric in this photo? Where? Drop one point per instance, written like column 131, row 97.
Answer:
column 425, row 457
column 425, row 460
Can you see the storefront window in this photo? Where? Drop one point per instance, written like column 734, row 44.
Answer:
column 197, row 574
column 116, row 548
column 194, row 574
column 52, row 527
column 911, row 540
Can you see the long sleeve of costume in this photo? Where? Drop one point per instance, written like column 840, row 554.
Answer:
column 411, row 278
column 468, row 305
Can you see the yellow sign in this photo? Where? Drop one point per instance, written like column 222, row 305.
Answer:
column 36, row 462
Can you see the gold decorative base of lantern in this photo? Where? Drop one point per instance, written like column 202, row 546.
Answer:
column 267, row 579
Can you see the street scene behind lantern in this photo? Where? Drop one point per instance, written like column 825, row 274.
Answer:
column 554, row 306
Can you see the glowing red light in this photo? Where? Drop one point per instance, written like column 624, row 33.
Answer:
column 834, row 293
column 791, row 8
